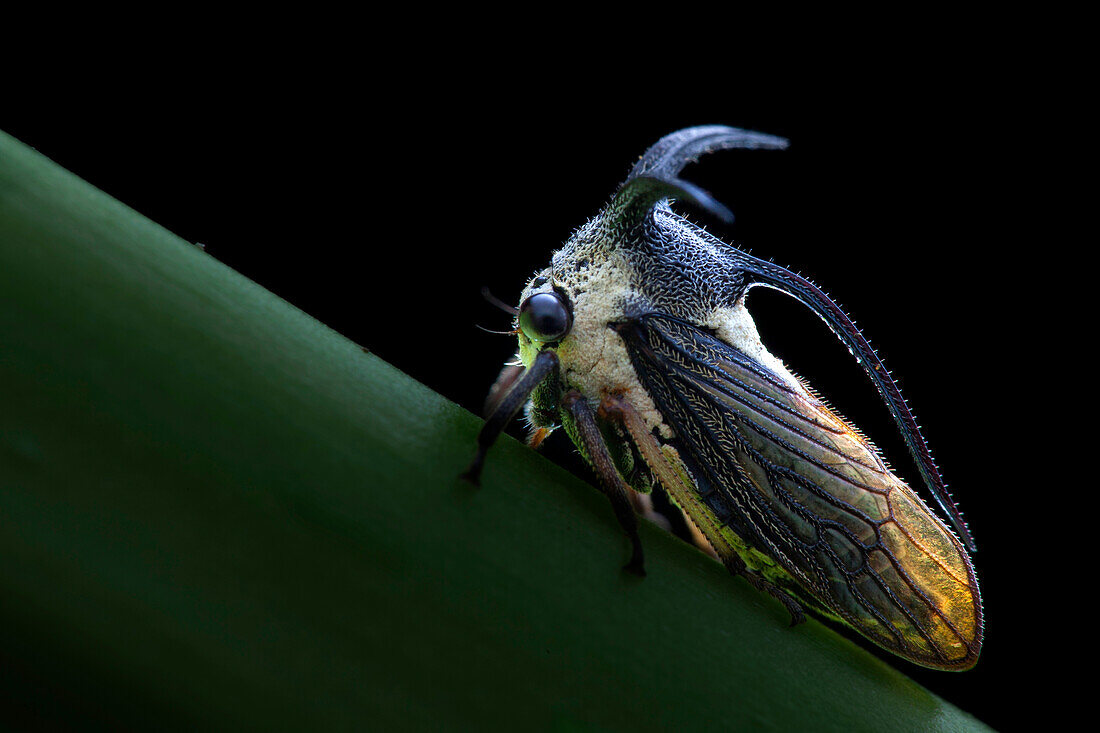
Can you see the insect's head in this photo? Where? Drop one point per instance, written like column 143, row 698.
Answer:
column 544, row 316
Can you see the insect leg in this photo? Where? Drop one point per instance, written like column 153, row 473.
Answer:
column 613, row 484
column 736, row 566
column 534, row 440
column 678, row 486
column 545, row 363
column 507, row 379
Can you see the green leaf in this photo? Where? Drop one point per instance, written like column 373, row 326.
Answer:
column 215, row 511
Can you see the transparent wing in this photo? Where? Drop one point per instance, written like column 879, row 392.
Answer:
column 795, row 482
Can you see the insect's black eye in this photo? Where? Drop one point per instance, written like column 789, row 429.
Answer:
column 545, row 317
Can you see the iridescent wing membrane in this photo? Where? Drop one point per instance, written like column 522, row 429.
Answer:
column 793, row 481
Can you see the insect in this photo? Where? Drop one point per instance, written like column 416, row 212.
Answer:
column 636, row 340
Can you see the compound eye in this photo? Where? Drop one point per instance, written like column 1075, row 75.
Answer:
column 545, row 317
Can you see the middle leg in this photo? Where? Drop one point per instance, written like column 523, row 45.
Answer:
column 613, row 485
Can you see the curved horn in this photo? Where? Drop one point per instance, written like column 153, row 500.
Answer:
column 656, row 175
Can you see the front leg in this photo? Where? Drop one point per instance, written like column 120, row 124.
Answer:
column 612, row 483
column 506, row 408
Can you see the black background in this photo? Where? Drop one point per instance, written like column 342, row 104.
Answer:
column 381, row 202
